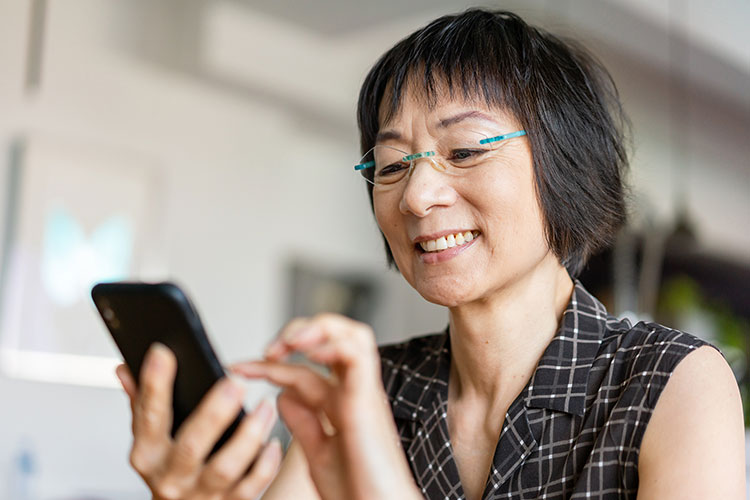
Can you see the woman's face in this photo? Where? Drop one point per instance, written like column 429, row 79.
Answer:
column 496, row 199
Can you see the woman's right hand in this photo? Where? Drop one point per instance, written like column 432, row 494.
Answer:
column 176, row 468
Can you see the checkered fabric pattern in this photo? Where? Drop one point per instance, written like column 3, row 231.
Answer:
column 574, row 431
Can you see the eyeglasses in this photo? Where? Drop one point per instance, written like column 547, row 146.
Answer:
column 455, row 153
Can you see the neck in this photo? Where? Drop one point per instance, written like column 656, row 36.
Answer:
column 496, row 343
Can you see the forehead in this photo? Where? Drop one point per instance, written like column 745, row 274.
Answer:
column 438, row 108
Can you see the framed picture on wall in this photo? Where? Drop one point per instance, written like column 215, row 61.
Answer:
column 315, row 288
column 75, row 215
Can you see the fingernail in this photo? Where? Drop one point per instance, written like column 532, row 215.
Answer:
column 274, row 349
column 272, row 452
column 295, row 335
column 290, row 335
column 271, row 456
column 275, row 446
column 249, row 369
column 275, row 451
column 265, row 412
column 157, row 353
column 160, row 348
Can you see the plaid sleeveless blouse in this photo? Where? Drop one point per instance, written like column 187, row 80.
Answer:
column 574, row 431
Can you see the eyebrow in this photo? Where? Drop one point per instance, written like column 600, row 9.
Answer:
column 447, row 122
column 387, row 135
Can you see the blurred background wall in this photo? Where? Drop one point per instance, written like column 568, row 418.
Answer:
column 242, row 113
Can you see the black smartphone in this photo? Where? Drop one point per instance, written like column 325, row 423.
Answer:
column 139, row 314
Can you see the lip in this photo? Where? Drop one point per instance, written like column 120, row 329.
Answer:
column 434, row 236
column 447, row 254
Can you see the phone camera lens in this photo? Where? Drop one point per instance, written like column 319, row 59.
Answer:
column 109, row 316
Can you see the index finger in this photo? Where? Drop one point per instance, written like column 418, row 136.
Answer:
column 343, row 344
column 306, row 334
column 280, row 347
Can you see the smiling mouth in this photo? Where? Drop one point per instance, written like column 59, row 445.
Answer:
column 446, row 242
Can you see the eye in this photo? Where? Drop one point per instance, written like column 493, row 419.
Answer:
column 460, row 155
column 393, row 168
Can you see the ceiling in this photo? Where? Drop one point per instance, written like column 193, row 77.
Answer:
column 719, row 26
column 701, row 43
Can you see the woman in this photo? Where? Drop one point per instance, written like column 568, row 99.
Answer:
column 494, row 158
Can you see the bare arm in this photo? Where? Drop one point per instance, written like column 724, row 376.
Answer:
column 694, row 444
column 293, row 479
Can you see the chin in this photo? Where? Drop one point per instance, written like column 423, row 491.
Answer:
column 448, row 288
column 444, row 295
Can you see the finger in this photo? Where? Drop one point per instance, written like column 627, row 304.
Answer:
column 326, row 354
column 261, row 475
column 200, row 432
column 152, row 414
column 303, row 422
column 350, row 339
column 347, row 346
column 276, row 350
column 306, row 334
column 232, row 460
column 308, row 338
column 280, row 348
column 312, row 387
column 128, row 383
column 302, row 334
column 349, row 374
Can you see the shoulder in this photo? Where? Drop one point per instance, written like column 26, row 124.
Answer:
column 697, row 425
column 685, row 402
column 648, row 353
column 648, row 336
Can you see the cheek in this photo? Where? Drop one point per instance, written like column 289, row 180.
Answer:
column 387, row 217
column 510, row 200
column 381, row 214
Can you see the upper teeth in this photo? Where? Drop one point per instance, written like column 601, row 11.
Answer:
column 448, row 241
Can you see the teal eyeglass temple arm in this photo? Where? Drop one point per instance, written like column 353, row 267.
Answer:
column 498, row 138
column 489, row 140
column 365, row 165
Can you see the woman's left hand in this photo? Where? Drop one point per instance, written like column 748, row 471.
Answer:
column 342, row 421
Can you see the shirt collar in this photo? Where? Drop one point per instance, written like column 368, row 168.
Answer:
column 561, row 377
column 559, row 381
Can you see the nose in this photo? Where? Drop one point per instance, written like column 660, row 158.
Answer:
column 426, row 188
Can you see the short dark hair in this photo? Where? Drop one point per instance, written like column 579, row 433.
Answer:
column 561, row 95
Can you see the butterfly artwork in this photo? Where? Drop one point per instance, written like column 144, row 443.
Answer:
column 73, row 261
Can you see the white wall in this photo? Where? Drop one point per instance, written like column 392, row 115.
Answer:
column 250, row 182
